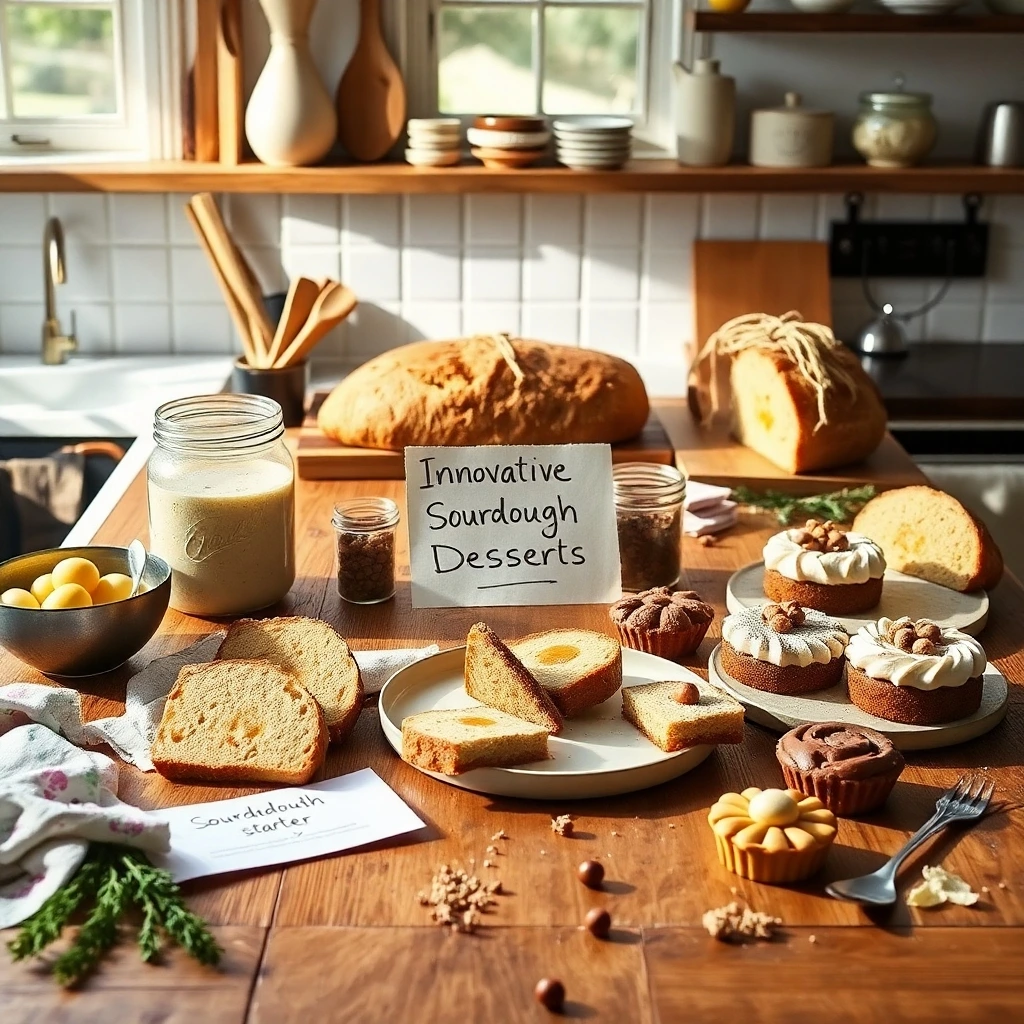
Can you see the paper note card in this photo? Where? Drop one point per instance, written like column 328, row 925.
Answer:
column 283, row 825
column 512, row 524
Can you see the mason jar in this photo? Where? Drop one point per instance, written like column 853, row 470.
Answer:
column 221, row 486
column 649, row 516
column 894, row 129
column 365, row 532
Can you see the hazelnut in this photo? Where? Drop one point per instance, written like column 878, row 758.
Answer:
column 929, row 631
column 781, row 623
column 793, row 612
column 687, row 694
column 769, row 611
column 922, row 646
column 598, row 922
column 904, row 638
column 550, row 993
column 591, row 873
column 812, row 523
column 837, row 541
column 803, row 537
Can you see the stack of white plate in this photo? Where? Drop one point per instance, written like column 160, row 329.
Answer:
column 922, row 6
column 594, row 143
column 434, row 141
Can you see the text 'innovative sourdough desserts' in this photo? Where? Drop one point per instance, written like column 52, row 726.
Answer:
column 916, row 673
column 674, row 715
column 821, row 567
column 783, row 648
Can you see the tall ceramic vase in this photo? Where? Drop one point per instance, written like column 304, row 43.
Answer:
column 290, row 120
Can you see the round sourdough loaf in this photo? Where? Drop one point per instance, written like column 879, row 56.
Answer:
column 488, row 389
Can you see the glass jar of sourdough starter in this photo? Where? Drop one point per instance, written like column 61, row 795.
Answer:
column 649, row 515
column 222, row 503
column 365, row 531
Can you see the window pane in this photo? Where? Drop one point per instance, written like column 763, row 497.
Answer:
column 485, row 61
column 590, row 60
column 62, row 60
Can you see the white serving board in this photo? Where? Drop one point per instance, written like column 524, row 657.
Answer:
column 782, row 713
column 597, row 754
column 901, row 595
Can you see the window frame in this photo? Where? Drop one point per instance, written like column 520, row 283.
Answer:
column 147, row 45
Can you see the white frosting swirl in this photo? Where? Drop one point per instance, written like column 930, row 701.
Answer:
column 862, row 561
column 961, row 658
column 819, row 639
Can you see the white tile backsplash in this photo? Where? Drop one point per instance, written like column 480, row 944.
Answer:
column 953, row 322
column 553, row 220
column 552, row 272
column 730, row 216
column 202, row 327
column 613, row 220
column 21, row 328
column 666, row 328
column 788, row 218
column 93, row 329
column 83, row 215
column 254, row 220
column 311, row 262
column 138, row 219
column 433, row 320
column 552, row 321
column 1004, row 323
column 141, row 274
column 669, row 275
column 21, row 274
column 610, row 274
column 612, row 329
column 491, row 318
column 373, row 271
column 372, row 220
column 433, row 220
column 140, row 328
column 433, row 274
column 494, row 220
column 22, row 219
column 311, row 220
column 492, row 274
column 673, row 222
column 374, row 328
column 87, row 270
column 191, row 276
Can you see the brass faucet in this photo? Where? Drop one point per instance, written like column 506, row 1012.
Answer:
column 56, row 344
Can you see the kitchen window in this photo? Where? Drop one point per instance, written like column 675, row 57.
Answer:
column 78, row 77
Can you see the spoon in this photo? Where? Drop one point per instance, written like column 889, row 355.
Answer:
column 137, row 557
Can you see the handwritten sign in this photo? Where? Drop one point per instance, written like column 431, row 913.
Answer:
column 512, row 525
column 283, row 825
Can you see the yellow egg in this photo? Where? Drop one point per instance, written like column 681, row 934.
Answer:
column 76, row 570
column 71, row 595
column 42, row 587
column 115, row 586
column 18, row 598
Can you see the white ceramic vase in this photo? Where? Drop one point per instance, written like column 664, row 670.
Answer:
column 705, row 104
column 290, row 120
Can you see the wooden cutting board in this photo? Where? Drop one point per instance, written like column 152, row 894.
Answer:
column 320, row 458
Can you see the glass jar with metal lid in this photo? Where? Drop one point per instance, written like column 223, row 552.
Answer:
column 894, row 129
column 649, row 516
column 222, row 503
column 365, row 533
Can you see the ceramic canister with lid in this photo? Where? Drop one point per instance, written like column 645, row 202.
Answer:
column 791, row 135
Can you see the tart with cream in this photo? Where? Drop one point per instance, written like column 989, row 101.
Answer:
column 772, row 835
column 783, row 648
column 821, row 567
column 915, row 672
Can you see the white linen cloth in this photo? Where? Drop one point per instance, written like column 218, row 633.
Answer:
column 131, row 734
column 54, row 800
column 707, row 509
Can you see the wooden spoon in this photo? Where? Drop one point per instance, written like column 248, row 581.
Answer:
column 302, row 295
column 334, row 303
column 371, row 94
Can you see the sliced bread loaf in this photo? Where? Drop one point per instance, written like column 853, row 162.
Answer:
column 239, row 721
column 655, row 709
column 452, row 742
column 496, row 677
column 311, row 651
column 577, row 667
column 928, row 533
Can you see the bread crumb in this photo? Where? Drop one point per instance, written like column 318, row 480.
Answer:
column 614, row 833
column 491, row 849
column 671, row 824
column 500, row 834
column 733, row 923
column 543, row 852
column 457, row 899
column 940, row 886
column 707, row 540
column 562, row 825
column 733, row 889
column 488, row 863
column 1002, row 885
column 812, row 938
column 984, row 888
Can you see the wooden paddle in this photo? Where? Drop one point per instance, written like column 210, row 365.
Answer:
column 333, row 304
column 302, row 295
column 371, row 94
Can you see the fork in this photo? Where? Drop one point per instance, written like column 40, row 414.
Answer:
column 966, row 801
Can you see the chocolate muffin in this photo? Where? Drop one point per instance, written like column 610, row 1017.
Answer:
column 915, row 672
column 821, row 567
column 849, row 768
column 783, row 648
column 661, row 622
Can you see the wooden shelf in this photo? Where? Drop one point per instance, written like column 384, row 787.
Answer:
column 781, row 21
column 394, row 179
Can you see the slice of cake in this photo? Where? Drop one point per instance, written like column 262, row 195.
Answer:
column 456, row 741
column 674, row 714
column 577, row 667
column 313, row 653
column 497, row 678
column 239, row 721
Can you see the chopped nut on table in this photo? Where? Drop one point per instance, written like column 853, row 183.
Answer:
column 562, row 825
column 458, row 899
column 733, row 923
column 500, row 834
column 707, row 540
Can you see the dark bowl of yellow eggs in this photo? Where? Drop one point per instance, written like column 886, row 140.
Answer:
column 66, row 611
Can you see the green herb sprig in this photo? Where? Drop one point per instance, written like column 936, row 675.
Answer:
column 113, row 878
column 839, row 506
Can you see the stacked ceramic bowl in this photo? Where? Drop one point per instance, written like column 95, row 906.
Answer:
column 434, row 141
column 593, row 143
column 503, row 143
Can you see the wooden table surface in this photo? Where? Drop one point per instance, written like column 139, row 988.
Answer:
column 344, row 939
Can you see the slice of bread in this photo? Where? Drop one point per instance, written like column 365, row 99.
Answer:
column 928, row 533
column 310, row 650
column 577, row 667
column 655, row 711
column 452, row 742
column 239, row 721
column 496, row 677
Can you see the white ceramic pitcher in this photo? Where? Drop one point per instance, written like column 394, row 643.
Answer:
column 290, row 120
column 705, row 107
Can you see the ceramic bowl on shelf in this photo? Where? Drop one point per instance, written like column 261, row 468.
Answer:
column 508, row 123
column 823, row 6
column 492, row 138
column 593, row 143
column 434, row 141
column 507, row 159
column 922, row 7
column 432, row 157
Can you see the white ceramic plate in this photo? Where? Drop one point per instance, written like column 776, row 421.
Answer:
column 598, row 753
column 579, row 163
column 595, row 123
column 781, row 713
column 901, row 595
column 492, row 138
column 432, row 157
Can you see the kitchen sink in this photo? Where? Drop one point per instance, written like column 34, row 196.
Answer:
column 99, row 397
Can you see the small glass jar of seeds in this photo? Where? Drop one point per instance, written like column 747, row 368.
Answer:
column 365, row 531
column 649, row 516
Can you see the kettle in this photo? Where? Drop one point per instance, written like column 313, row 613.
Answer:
column 883, row 336
column 705, row 108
